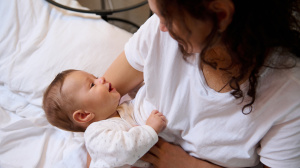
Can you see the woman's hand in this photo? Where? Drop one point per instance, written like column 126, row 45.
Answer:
column 166, row 155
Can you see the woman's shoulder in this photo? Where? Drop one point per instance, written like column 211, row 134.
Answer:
column 151, row 25
column 279, row 86
column 149, row 32
column 148, row 44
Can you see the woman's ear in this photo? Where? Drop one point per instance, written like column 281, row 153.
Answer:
column 82, row 116
column 224, row 10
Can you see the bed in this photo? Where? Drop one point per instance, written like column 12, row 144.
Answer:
column 37, row 41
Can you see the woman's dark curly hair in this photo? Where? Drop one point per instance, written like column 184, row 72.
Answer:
column 257, row 28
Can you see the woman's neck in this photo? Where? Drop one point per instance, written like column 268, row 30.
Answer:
column 218, row 69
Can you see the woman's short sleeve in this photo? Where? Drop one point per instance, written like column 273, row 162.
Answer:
column 139, row 45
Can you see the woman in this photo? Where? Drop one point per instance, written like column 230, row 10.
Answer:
column 225, row 73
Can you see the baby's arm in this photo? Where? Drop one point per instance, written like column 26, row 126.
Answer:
column 111, row 145
column 157, row 121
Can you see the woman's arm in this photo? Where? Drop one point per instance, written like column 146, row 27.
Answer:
column 166, row 155
column 122, row 75
column 147, row 157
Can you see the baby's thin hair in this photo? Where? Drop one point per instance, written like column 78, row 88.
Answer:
column 58, row 107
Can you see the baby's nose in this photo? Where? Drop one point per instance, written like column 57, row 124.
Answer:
column 102, row 80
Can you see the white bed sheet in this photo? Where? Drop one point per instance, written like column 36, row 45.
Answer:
column 37, row 41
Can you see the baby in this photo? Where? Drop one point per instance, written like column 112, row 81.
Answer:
column 78, row 101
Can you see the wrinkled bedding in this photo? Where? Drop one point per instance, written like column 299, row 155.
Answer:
column 37, row 41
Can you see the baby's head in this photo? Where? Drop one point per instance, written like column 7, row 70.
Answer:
column 75, row 99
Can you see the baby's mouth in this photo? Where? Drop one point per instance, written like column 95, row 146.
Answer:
column 109, row 89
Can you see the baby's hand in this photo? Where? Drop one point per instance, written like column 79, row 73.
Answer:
column 157, row 121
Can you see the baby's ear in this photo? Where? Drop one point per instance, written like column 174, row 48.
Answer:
column 82, row 116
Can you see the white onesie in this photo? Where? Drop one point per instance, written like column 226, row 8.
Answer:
column 118, row 142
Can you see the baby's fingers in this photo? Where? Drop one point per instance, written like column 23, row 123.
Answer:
column 154, row 112
column 164, row 119
column 160, row 115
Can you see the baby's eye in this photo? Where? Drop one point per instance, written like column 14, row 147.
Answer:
column 92, row 84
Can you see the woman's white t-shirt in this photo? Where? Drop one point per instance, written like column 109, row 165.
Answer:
column 210, row 125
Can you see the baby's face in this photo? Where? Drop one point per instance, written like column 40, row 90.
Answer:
column 92, row 94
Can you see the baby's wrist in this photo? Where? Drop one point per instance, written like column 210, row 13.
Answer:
column 153, row 127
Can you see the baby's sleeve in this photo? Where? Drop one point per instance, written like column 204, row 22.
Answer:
column 111, row 145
